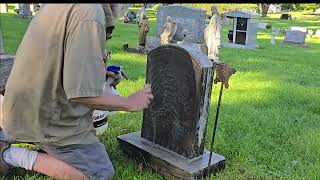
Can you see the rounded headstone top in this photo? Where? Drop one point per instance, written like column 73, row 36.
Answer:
column 196, row 54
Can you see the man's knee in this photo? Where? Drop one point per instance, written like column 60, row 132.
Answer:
column 92, row 160
column 108, row 174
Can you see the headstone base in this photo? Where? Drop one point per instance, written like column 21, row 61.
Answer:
column 296, row 44
column 26, row 17
column 169, row 164
column 232, row 45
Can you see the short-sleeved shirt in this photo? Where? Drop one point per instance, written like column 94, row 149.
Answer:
column 59, row 58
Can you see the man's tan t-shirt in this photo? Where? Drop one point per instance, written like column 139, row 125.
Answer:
column 60, row 57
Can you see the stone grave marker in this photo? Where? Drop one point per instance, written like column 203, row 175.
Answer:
column 295, row 35
column 188, row 19
column 285, row 17
column 244, row 31
column 6, row 63
column 317, row 11
column 3, row 8
column 24, row 11
column 174, row 126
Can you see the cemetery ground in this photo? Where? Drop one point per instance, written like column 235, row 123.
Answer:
column 269, row 124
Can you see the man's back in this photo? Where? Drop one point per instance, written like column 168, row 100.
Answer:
column 60, row 57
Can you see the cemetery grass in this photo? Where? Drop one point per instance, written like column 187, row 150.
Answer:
column 269, row 126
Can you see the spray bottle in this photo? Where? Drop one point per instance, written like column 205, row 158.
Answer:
column 100, row 118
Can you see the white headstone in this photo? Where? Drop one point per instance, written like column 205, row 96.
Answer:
column 3, row 8
column 272, row 9
column 317, row 11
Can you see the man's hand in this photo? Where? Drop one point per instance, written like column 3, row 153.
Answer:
column 139, row 100
column 116, row 78
column 108, row 102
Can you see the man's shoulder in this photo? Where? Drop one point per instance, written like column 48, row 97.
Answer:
column 90, row 12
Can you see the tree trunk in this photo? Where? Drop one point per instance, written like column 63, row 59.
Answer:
column 264, row 9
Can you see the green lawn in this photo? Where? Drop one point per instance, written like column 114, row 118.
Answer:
column 269, row 124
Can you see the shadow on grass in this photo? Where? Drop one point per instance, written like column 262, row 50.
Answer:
column 259, row 126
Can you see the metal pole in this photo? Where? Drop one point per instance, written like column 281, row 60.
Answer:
column 215, row 128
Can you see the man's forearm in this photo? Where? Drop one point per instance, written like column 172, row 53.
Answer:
column 105, row 102
column 135, row 102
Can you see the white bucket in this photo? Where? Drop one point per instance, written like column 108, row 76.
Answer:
column 100, row 118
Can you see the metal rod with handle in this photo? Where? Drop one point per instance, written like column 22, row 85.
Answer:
column 215, row 128
column 223, row 74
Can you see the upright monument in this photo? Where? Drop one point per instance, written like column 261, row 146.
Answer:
column 244, row 32
column 174, row 126
column 186, row 19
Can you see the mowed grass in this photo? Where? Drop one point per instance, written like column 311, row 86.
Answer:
column 269, row 126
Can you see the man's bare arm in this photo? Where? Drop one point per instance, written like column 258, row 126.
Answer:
column 108, row 102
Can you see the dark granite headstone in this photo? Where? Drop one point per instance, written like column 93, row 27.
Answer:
column 1, row 44
column 187, row 18
column 131, row 15
column 172, row 119
column 174, row 126
column 295, row 35
column 6, row 63
column 285, row 16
